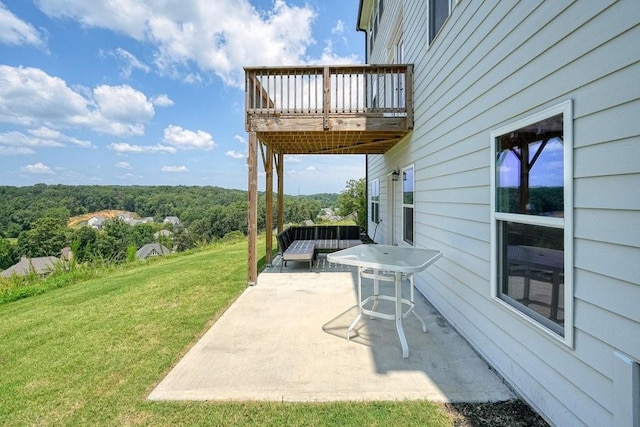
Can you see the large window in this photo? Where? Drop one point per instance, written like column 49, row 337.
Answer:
column 532, row 220
column 375, row 201
column 407, row 204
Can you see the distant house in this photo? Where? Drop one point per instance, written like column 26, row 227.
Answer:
column 173, row 220
column 96, row 222
column 135, row 221
column 26, row 266
column 162, row 233
column 151, row 249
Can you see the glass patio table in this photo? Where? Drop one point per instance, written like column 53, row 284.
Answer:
column 388, row 264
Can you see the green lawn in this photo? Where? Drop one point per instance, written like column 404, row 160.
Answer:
column 89, row 353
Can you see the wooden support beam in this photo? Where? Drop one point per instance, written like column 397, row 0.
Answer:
column 252, row 234
column 268, row 167
column 280, row 171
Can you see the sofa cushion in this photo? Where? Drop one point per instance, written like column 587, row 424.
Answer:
column 327, row 244
column 300, row 250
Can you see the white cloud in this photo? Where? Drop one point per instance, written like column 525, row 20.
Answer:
column 37, row 168
column 14, row 151
column 310, row 168
column 292, row 159
column 186, row 139
column 14, row 31
column 174, row 169
column 52, row 134
column 236, row 154
column 191, row 33
column 123, row 147
column 338, row 28
column 122, row 110
column 30, row 97
column 123, row 165
column 19, row 139
column 162, row 100
column 129, row 62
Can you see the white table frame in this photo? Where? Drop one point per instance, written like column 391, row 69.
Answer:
column 388, row 264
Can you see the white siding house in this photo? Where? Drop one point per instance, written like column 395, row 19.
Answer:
column 523, row 167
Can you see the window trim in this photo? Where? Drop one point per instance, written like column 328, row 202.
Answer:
column 407, row 205
column 566, row 109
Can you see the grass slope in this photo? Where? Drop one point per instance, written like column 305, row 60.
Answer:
column 89, row 353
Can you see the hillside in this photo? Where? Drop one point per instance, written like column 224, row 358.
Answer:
column 87, row 354
column 21, row 207
column 79, row 220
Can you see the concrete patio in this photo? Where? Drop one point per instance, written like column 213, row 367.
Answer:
column 284, row 340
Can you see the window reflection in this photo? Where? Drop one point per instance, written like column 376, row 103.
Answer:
column 529, row 169
column 532, row 270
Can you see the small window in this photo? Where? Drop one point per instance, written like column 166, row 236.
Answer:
column 407, row 204
column 375, row 201
column 531, row 188
column 438, row 13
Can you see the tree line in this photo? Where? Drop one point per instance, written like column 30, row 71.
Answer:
column 35, row 218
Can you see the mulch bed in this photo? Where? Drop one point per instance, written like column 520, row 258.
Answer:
column 512, row 413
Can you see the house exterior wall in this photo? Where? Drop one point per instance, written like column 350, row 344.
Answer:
column 494, row 63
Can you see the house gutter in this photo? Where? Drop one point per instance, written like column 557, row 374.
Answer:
column 366, row 156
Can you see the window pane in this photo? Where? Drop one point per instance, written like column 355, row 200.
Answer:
column 531, row 270
column 529, row 169
column 438, row 12
column 407, row 186
column 408, row 224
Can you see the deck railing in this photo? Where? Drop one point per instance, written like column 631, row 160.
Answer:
column 381, row 90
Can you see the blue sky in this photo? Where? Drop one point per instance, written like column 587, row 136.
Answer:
column 150, row 92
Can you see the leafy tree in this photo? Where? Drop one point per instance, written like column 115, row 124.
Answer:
column 8, row 254
column 114, row 241
column 182, row 239
column 352, row 199
column 46, row 238
column 141, row 234
column 84, row 240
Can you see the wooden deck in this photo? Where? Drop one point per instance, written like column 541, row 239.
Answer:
column 354, row 109
column 364, row 109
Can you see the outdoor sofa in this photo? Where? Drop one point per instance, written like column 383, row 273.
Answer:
column 302, row 244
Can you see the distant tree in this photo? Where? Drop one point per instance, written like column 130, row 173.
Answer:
column 141, row 234
column 182, row 239
column 8, row 254
column 352, row 199
column 47, row 237
column 84, row 240
column 114, row 240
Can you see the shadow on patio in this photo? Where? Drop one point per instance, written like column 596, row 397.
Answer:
column 284, row 340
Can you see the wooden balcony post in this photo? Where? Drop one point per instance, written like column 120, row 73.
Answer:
column 280, row 172
column 252, row 232
column 268, row 167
